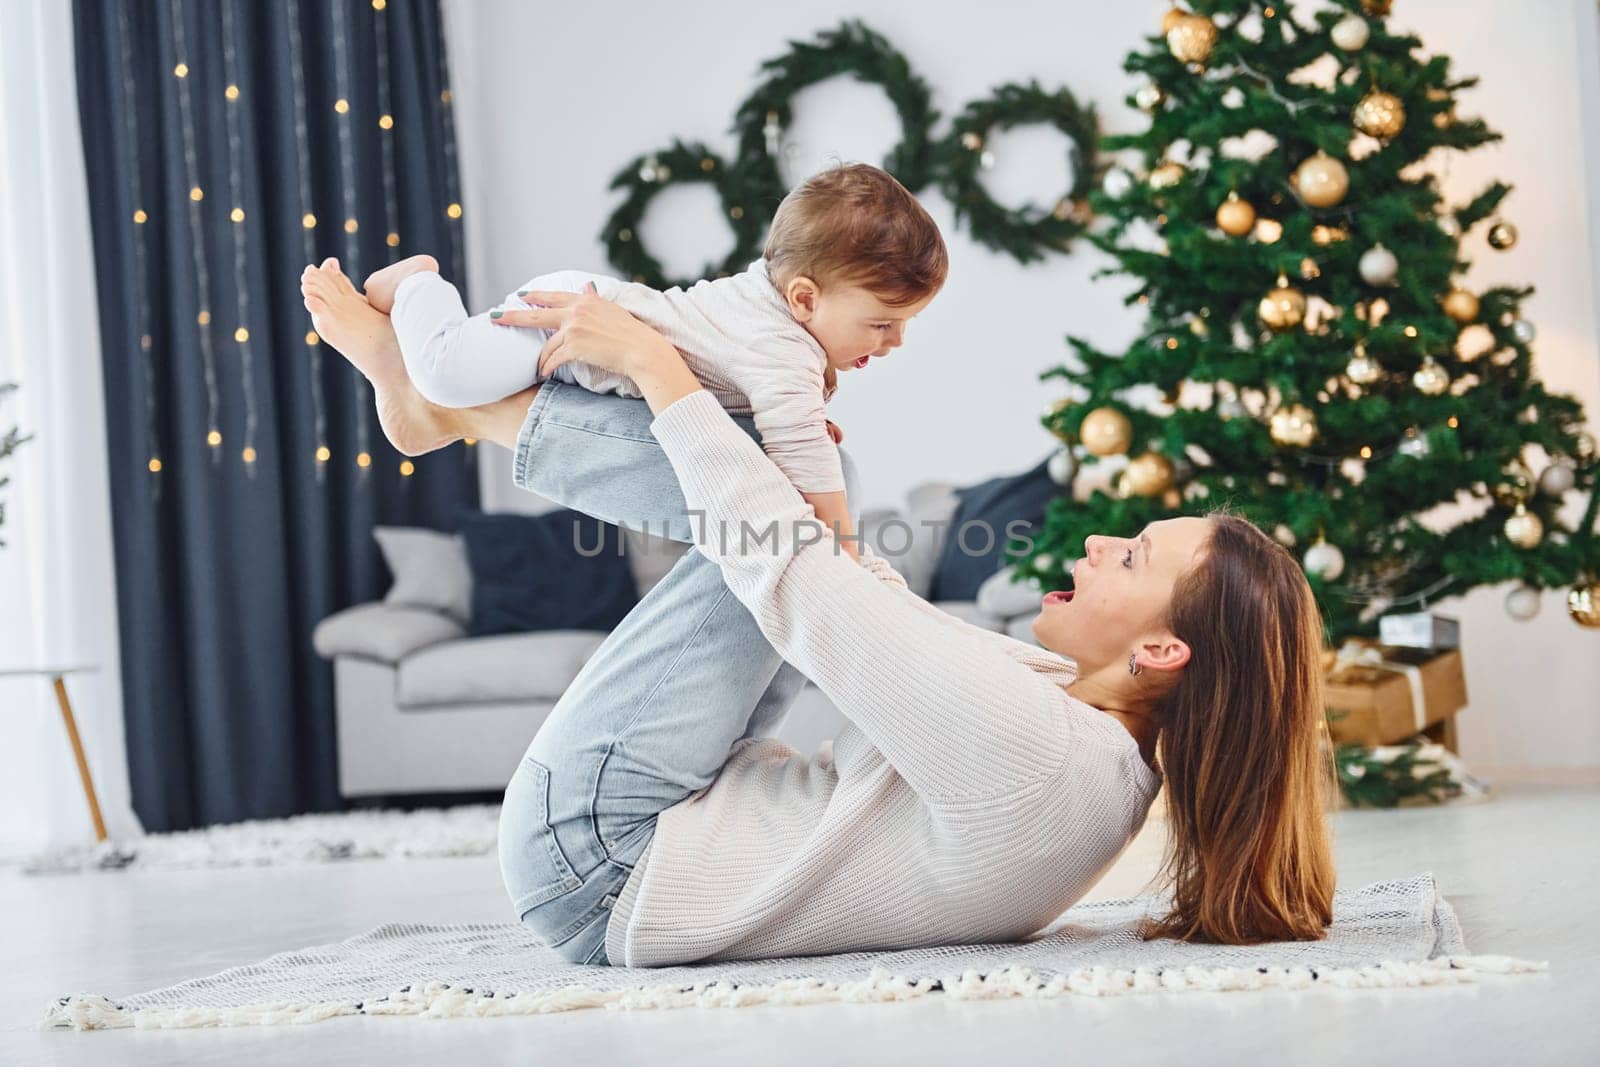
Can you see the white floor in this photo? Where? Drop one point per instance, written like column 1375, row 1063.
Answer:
column 1521, row 871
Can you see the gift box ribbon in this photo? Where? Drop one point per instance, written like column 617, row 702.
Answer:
column 1354, row 653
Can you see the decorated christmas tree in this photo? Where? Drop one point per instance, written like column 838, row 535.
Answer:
column 1320, row 363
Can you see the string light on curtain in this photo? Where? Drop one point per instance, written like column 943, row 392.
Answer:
column 144, row 353
column 238, row 232
column 308, row 225
column 191, row 171
column 452, row 209
column 351, row 264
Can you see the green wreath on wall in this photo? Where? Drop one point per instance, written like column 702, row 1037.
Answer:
column 1026, row 232
column 850, row 49
column 644, row 179
column 752, row 186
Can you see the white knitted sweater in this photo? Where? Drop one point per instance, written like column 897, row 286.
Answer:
column 969, row 798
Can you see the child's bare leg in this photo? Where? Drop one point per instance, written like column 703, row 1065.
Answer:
column 381, row 284
column 364, row 336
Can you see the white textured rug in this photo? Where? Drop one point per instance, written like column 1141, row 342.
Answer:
column 468, row 830
column 1388, row 934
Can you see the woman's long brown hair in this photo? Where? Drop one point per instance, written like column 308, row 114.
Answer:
column 1248, row 780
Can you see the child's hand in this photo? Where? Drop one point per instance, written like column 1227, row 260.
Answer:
column 834, row 432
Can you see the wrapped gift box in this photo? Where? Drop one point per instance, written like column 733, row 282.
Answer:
column 1380, row 695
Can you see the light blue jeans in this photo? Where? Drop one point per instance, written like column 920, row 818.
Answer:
column 652, row 716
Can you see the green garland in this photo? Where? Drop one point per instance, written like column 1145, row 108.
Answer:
column 850, row 49
column 1026, row 232
column 645, row 177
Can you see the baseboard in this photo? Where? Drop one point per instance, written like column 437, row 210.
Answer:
column 1535, row 774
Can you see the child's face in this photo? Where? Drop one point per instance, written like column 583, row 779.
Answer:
column 850, row 323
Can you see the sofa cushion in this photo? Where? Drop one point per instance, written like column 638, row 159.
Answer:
column 991, row 507
column 430, row 569
column 508, row 667
column 384, row 632
column 558, row 571
column 1006, row 599
column 911, row 540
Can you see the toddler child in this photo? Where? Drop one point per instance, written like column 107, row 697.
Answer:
column 850, row 259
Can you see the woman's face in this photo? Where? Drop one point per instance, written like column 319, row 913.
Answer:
column 1121, row 589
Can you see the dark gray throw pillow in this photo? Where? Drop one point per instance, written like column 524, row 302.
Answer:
column 559, row 571
column 970, row 560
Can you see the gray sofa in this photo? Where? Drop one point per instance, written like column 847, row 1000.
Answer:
column 422, row 707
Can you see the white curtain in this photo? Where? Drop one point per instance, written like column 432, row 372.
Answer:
column 57, row 589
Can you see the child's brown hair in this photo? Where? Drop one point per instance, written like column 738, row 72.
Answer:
column 854, row 224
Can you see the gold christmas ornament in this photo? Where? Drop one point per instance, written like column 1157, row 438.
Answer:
column 1148, row 474
column 1268, row 231
column 1321, row 180
column 1379, row 115
column 1460, row 305
column 1236, row 217
column 1167, row 175
column 1502, row 235
column 1106, row 432
column 1362, row 368
column 1583, row 604
column 1170, row 19
column 1149, row 96
column 1376, row 7
column 1172, row 500
column 1293, row 426
column 1515, row 484
column 1327, row 235
column 1283, row 307
column 1191, row 38
column 971, row 141
column 1523, row 528
column 1061, row 433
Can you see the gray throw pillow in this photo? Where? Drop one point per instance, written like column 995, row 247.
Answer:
column 430, row 570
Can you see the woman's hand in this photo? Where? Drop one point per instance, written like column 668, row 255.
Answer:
column 591, row 329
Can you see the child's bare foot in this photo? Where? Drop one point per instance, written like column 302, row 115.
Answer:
column 381, row 284
column 363, row 335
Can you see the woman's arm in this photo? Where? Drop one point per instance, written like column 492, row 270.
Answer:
column 953, row 713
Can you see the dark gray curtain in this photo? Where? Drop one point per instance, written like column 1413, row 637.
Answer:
column 228, row 143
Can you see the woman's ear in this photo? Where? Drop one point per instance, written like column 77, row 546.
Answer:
column 801, row 294
column 1167, row 654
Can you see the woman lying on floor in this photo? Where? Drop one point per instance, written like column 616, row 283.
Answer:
column 981, row 786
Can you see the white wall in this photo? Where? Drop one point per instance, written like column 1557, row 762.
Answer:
column 551, row 102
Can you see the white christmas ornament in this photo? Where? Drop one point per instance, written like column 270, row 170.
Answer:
column 1414, row 445
column 1284, row 536
column 1233, row 97
column 1117, row 183
column 1522, row 603
column 1378, row 266
column 1523, row 331
column 1044, row 561
column 1350, row 33
column 1431, row 379
column 1063, row 467
column 1325, row 561
column 1556, row 479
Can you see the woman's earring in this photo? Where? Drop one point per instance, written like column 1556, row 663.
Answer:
column 1132, row 667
